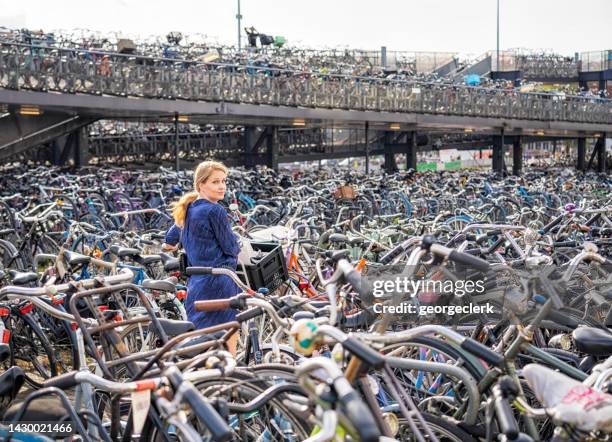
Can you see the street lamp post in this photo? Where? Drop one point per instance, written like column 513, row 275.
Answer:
column 497, row 35
column 238, row 18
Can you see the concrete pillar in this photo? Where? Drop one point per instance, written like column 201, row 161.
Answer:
column 581, row 154
column 367, row 148
column 56, row 152
column 517, row 156
column 250, row 138
column 390, row 163
column 498, row 153
column 176, row 142
column 601, row 154
column 272, row 147
column 81, row 148
column 411, row 151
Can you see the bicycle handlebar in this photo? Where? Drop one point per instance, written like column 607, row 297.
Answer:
column 193, row 271
column 124, row 275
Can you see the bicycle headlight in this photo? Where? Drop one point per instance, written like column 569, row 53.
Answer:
column 392, row 422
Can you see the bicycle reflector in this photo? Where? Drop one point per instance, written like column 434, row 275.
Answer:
column 57, row 300
column 4, row 312
column 6, row 336
column 181, row 294
column 27, row 308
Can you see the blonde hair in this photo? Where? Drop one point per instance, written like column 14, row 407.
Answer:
column 201, row 174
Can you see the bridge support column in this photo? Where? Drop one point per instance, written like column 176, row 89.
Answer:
column 517, row 155
column 249, row 146
column 73, row 146
column 600, row 146
column 272, row 147
column 56, row 152
column 581, row 154
column 498, row 153
column 177, row 160
column 367, row 148
column 390, row 163
column 81, row 148
column 411, row 151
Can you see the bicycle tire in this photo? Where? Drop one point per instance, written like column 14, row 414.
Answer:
column 443, row 429
column 47, row 349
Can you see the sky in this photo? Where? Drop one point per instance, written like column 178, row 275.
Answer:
column 463, row 26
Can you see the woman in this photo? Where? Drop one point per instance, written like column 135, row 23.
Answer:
column 208, row 241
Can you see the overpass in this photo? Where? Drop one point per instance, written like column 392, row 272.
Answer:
column 47, row 87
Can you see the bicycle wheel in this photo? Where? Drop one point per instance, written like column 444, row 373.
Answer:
column 7, row 218
column 272, row 421
column 443, row 429
column 10, row 257
column 31, row 350
column 62, row 340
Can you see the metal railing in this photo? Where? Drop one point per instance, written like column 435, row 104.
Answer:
column 548, row 67
column 41, row 69
column 540, row 66
column 596, row 61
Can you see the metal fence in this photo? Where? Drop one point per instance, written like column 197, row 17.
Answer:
column 540, row 66
column 596, row 61
column 72, row 71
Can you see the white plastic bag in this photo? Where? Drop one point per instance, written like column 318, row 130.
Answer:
column 569, row 401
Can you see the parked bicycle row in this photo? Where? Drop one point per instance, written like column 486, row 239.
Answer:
column 412, row 306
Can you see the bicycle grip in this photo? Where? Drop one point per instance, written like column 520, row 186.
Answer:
column 212, row 305
column 360, row 416
column 483, row 352
column 63, row 381
column 469, row 261
column 505, row 417
column 249, row 314
column 207, row 415
column 191, row 271
column 361, row 350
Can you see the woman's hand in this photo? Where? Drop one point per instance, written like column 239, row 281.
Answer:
column 169, row 247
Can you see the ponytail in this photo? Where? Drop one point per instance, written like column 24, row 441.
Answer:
column 179, row 210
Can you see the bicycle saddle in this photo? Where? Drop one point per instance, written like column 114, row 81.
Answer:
column 74, row 259
column 319, row 304
column 163, row 285
column 174, row 328
column 11, row 382
column 170, row 262
column 568, row 401
column 22, row 278
column 593, row 341
column 303, row 315
column 122, row 252
column 150, row 259
column 43, row 409
column 338, row 237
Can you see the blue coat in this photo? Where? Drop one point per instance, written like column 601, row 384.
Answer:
column 208, row 241
column 173, row 235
